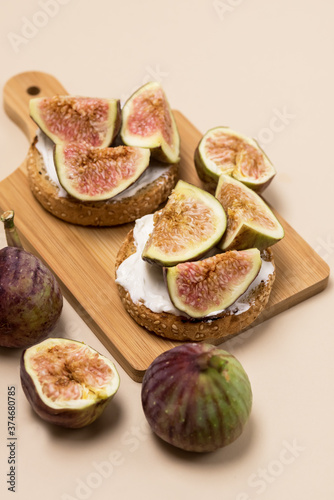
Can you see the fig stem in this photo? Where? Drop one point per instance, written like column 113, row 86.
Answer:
column 206, row 360
column 217, row 362
column 12, row 237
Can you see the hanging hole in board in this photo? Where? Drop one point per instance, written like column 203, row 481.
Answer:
column 33, row 90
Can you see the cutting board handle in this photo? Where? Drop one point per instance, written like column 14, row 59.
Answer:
column 20, row 89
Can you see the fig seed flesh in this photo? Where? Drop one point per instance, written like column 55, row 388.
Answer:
column 211, row 285
column 67, row 382
column 64, row 119
column 250, row 222
column 189, row 225
column 148, row 121
column 224, row 151
column 92, row 174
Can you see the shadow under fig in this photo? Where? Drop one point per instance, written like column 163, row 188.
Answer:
column 107, row 422
column 11, row 353
column 231, row 453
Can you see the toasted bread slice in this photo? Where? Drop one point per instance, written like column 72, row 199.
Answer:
column 182, row 328
column 111, row 212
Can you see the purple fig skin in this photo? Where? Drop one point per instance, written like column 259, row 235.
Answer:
column 118, row 123
column 196, row 397
column 30, row 299
column 69, row 418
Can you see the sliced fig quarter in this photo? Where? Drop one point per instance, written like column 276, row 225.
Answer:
column 222, row 150
column 92, row 174
column 67, row 382
column 250, row 222
column 64, row 119
column 148, row 122
column 190, row 224
column 211, row 285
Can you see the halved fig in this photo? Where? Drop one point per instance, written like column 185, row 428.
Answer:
column 148, row 122
column 92, row 174
column 67, row 382
column 64, row 119
column 211, row 285
column 222, row 150
column 250, row 222
column 190, row 224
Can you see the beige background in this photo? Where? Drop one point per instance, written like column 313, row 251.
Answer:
column 266, row 69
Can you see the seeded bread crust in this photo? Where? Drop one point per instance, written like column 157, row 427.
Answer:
column 182, row 328
column 101, row 213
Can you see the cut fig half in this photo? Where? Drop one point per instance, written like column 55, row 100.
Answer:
column 250, row 222
column 67, row 382
column 222, row 150
column 148, row 122
column 190, row 224
column 64, row 119
column 211, row 285
column 92, row 174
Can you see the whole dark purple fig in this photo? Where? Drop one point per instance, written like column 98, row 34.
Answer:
column 196, row 397
column 30, row 297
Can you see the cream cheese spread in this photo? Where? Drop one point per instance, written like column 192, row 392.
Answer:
column 145, row 282
column 45, row 147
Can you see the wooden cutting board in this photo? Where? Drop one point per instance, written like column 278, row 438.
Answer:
column 83, row 258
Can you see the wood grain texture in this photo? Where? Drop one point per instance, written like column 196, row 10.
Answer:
column 83, row 258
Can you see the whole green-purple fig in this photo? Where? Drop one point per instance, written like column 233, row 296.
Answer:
column 196, row 397
column 30, row 297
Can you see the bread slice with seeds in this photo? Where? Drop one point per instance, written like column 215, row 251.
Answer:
column 182, row 328
column 111, row 212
